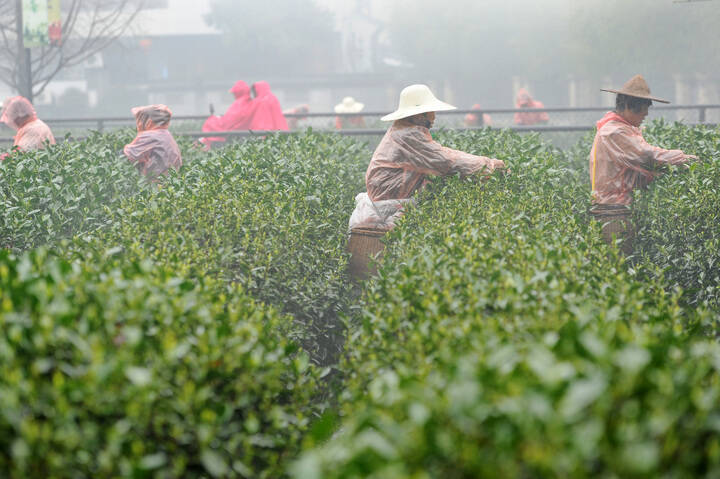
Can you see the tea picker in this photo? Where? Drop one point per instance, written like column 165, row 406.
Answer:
column 622, row 161
column 349, row 105
column 400, row 166
column 32, row 133
column 154, row 150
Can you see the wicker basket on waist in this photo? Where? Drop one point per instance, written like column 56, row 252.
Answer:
column 365, row 247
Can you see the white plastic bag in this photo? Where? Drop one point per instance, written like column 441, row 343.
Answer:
column 377, row 215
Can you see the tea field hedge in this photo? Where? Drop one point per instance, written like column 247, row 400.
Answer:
column 253, row 233
column 183, row 329
column 126, row 369
column 65, row 190
column 679, row 217
column 501, row 334
column 270, row 216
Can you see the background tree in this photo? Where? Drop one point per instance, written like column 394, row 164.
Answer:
column 651, row 36
column 276, row 36
column 481, row 45
column 88, row 26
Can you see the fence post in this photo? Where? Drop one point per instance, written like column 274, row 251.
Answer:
column 702, row 114
column 101, row 125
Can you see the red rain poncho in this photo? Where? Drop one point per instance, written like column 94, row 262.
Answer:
column 267, row 114
column 621, row 160
column 153, row 151
column 400, row 166
column 19, row 114
column 524, row 100
column 237, row 117
column 473, row 119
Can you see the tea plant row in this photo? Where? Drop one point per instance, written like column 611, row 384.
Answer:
column 501, row 334
column 182, row 330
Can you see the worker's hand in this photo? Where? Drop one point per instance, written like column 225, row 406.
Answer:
column 691, row 158
column 497, row 164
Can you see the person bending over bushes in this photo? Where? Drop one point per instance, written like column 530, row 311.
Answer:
column 32, row 133
column 406, row 157
column 153, row 151
column 621, row 161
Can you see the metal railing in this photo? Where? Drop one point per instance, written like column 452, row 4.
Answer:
column 102, row 123
column 361, row 132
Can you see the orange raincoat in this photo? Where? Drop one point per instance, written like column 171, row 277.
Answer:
column 19, row 114
column 621, row 160
column 524, row 100
column 401, row 165
column 153, row 151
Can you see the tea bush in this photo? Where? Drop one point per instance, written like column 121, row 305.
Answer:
column 678, row 216
column 501, row 334
column 48, row 195
column 113, row 368
column 268, row 215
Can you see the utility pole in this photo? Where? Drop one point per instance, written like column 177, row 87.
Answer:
column 24, row 83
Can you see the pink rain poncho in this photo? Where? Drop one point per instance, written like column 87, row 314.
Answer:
column 19, row 114
column 473, row 119
column 621, row 160
column 153, row 151
column 400, row 166
column 267, row 114
column 524, row 100
column 237, row 117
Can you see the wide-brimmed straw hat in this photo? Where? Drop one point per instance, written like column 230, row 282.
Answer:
column 349, row 105
column 414, row 100
column 637, row 87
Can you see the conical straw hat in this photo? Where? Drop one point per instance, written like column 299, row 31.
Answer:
column 414, row 100
column 637, row 87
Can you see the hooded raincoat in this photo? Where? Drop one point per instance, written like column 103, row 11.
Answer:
column 267, row 114
column 237, row 117
column 621, row 161
column 153, row 151
column 32, row 133
column 401, row 165
column 524, row 100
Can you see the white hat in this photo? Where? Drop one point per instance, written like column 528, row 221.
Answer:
column 349, row 105
column 414, row 100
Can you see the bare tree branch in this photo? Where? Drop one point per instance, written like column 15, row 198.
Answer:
column 88, row 26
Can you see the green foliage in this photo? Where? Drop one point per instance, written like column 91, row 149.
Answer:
column 173, row 332
column 171, row 266
column 678, row 216
column 501, row 334
column 268, row 215
column 116, row 368
column 69, row 188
